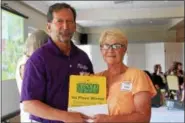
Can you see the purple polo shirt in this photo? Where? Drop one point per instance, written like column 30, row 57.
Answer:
column 46, row 76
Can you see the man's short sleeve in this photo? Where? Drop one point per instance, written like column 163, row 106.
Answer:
column 142, row 82
column 34, row 82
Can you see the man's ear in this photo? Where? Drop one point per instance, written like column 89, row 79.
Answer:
column 48, row 27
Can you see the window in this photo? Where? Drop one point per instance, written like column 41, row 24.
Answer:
column 12, row 43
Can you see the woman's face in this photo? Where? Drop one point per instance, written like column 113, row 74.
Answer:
column 159, row 69
column 112, row 51
column 22, row 71
column 179, row 67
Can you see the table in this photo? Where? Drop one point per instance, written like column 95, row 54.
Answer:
column 162, row 114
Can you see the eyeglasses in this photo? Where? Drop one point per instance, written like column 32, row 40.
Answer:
column 113, row 46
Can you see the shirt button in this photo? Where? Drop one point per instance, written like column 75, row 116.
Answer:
column 70, row 65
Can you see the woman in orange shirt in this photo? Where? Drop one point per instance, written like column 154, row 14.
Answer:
column 129, row 89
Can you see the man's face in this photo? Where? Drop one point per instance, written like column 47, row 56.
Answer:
column 62, row 26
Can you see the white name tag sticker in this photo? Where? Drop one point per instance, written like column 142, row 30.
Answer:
column 126, row 86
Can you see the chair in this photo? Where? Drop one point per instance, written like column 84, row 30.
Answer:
column 173, row 84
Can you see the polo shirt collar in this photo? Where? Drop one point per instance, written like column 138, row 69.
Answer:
column 58, row 51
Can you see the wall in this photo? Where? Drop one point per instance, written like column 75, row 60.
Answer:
column 138, row 34
column 136, row 55
column 155, row 54
column 10, row 97
column 180, row 34
column 173, row 52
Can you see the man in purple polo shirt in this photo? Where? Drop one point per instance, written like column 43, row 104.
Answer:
column 46, row 79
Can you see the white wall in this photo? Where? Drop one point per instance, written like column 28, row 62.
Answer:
column 137, row 34
column 173, row 52
column 10, row 97
column 136, row 55
column 97, row 59
column 154, row 53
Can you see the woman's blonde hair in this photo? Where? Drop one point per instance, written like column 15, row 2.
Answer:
column 35, row 41
column 113, row 34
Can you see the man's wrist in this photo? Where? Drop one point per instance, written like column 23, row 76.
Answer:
column 61, row 115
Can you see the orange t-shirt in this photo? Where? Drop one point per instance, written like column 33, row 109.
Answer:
column 121, row 90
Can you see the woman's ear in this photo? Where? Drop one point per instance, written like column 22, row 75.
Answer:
column 125, row 49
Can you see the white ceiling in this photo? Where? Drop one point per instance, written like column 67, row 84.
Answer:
column 116, row 13
column 125, row 23
column 81, row 5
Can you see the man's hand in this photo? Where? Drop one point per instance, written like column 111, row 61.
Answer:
column 75, row 117
column 101, row 118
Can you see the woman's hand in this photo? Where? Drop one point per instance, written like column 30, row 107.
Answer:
column 76, row 117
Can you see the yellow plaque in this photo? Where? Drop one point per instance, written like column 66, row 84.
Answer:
column 87, row 94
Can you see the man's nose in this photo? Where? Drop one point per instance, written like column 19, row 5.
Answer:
column 65, row 25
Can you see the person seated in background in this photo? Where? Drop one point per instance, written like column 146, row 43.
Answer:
column 130, row 90
column 180, row 71
column 33, row 42
column 180, row 74
column 158, row 77
column 176, row 70
column 158, row 99
column 171, row 70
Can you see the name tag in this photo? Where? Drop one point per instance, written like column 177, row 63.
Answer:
column 126, row 86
